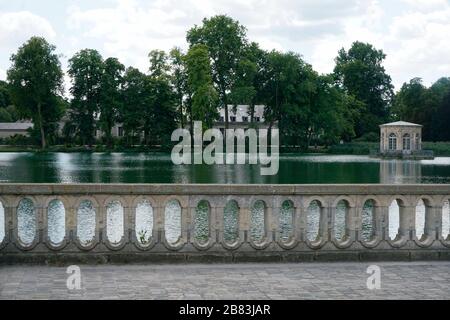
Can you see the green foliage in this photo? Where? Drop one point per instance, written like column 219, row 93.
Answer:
column 110, row 96
column 357, row 148
column 361, row 73
column 225, row 39
column 369, row 137
column 5, row 116
column 5, row 99
column 178, row 81
column 86, row 68
column 204, row 97
column 36, row 83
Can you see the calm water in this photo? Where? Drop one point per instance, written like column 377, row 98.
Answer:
column 158, row 168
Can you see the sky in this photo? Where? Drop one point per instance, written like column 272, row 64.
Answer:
column 414, row 34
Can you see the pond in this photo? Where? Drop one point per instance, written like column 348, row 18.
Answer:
column 158, row 168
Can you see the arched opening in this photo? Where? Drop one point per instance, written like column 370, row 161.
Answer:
column 392, row 142
column 2, row 223
column 420, row 218
column 172, row 221
column 257, row 221
column 231, row 221
column 114, row 222
column 56, row 221
column 86, row 222
column 394, row 218
column 368, row 220
column 201, row 222
column 144, row 222
column 26, row 221
column 313, row 220
column 340, row 219
column 446, row 220
column 286, row 221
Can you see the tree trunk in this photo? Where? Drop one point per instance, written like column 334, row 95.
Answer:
column 41, row 127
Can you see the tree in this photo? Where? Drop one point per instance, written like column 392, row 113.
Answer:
column 36, row 80
column 361, row 73
column 440, row 96
column 110, row 96
column 179, row 81
column 225, row 39
column 414, row 103
column 159, row 117
column 86, row 70
column 158, row 63
column 204, row 95
column 135, row 100
column 5, row 99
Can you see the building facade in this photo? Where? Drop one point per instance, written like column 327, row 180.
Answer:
column 400, row 137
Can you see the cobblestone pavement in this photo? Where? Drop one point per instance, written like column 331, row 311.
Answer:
column 414, row 280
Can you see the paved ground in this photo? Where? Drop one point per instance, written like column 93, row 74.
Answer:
column 229, row 281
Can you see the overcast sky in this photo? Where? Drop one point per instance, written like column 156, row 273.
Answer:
column 415, row 34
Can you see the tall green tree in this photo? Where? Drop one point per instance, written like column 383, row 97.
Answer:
column 86, row 69
column 110, row 96
column 179, row 82
column 225, row 39
column 439, row 129
column 361, row 73
column 135, row 101
column 36, row 80
column 160, row 113
column 414, row 103
column 204, row 95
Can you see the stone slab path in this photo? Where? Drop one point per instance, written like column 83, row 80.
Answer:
column 406, row 280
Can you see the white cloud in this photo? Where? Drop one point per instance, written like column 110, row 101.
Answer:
column 17, row 27
column 413, row 33
column 2, row 74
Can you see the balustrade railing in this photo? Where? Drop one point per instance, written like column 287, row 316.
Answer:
column 114, row 222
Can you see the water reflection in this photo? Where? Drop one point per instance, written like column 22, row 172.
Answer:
column 56, row 221
column 144, row 222
column 26, row 220
column 172, row 221
column 158, row 168
column 201, row 222
column 400, row 172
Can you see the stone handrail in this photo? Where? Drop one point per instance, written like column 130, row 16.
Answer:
column 326, row 245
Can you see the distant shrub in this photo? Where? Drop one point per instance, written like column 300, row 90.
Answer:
column 368, row 137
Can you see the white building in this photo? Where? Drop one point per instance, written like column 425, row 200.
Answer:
column 10, row 129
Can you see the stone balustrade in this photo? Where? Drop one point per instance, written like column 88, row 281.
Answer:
column 98, row 222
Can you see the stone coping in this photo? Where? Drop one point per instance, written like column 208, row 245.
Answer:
column 223, row 189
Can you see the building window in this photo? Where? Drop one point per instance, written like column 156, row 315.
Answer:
column 392, row 141
column 221, row 119
column 257, row 119
column 406, row 141
column 417, row 141
column 120, row 131
column 244, row 119
column 233, row 119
